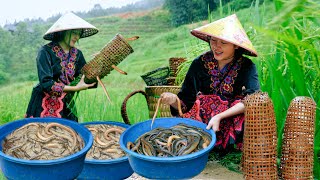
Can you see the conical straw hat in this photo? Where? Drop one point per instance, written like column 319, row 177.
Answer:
column 70, row 21
column 228, row 29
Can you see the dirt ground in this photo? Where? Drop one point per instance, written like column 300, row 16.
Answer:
column 213, row 171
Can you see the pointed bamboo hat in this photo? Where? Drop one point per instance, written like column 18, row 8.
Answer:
column 71, row 21
column 228, row 29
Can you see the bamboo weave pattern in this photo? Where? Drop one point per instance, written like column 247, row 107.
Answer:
column 260, row 138
column 153, row 94
column 297, row 147
column 111, row 54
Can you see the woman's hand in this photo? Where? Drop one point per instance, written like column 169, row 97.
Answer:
column 82, row 85
column 214, row 123
column 168, row 98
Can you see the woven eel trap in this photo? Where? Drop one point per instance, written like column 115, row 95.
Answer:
column 260, row 138
column 107, row 59
column 297, row 147
column 152, row 94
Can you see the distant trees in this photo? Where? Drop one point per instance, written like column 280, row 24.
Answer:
column 98, row 10
column 18, row 51
column 188, row 11
column 4, row 57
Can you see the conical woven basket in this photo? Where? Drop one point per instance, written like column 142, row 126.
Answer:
column 111, row 54
column 297, row 147
column 260, row 138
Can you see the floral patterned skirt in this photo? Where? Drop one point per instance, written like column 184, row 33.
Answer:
column 44, row 105
column 231, row 129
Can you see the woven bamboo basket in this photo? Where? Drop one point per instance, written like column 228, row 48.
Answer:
column 171, row 81
column 260, row 138
column 297, row 148
column 174, row 64
column 107, row 59
column 157, row 77
column 152, row 94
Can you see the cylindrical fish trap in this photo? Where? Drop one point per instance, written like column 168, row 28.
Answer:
column 260, row 138
column 109, row 56
column 297, row 147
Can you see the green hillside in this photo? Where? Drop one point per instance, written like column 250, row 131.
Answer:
column 157, row 43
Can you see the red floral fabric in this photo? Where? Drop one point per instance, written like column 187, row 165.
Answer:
column 207, row 106
column 52, row 105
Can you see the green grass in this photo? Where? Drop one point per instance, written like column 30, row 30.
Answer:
column 14, row 100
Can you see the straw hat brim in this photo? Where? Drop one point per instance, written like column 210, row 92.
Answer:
column 228, row 29
column 205, row 37
column 71, row 21
column 86, row 32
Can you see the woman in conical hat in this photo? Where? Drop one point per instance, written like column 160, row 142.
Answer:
column 218, row 80
column 59, row 62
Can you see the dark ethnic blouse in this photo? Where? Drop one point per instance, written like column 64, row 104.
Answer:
column 236, row 80
column 55, row 70
column 228, row 86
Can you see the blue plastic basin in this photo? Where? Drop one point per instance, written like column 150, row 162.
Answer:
column 181, row 167
column 68, row 167
column 114, row 169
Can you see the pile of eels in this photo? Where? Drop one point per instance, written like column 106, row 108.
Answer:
column 106, row 142
column 42, row 141
column 178, row 140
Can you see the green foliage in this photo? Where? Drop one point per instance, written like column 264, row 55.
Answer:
column 240, row 4
column 288, row 62
column 4, row 57
column 17, row 53
column 294, row 69
column 14, row 99
column 187, row 11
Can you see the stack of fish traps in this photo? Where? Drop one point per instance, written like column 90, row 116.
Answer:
column 260, row 138
column 297, row 148
column 158, row 81
column 153, row 92
column 109, row 56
